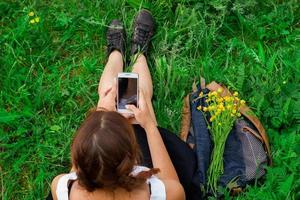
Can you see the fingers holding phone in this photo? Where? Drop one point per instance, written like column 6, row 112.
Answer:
column 142, row 114
column 131, row 102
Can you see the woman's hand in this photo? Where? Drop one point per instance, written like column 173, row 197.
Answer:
column 142, row 114
column 108, row 100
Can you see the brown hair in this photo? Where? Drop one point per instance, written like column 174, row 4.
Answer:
column 104, row 152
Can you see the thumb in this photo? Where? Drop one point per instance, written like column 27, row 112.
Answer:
column 132, row 108
column 127, row 115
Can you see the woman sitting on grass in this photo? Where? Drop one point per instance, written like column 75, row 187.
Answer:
column 105, row 151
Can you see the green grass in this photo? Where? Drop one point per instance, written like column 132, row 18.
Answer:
column 49, row 73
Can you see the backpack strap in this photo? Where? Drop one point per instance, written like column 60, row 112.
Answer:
column 186, row 112
column 246, row 111
column 202, row 83
column 186, row 118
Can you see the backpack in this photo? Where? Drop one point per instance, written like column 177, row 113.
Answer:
column 247, row 148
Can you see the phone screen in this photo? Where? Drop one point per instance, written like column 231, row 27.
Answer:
column 127, row 92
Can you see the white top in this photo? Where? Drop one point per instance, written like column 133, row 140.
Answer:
column 157, row 187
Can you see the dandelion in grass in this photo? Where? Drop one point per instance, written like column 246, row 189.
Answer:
column 33, row 18
column 224, row 110
column 31, row 14
column 37, row 19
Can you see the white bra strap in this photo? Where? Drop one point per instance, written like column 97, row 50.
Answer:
column 62, row 191
column 158, row 190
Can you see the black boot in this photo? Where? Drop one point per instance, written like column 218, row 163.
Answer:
column 115, row 37
column 143, row 31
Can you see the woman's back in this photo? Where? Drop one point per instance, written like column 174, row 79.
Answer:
column 66, row 187
column 77, row 192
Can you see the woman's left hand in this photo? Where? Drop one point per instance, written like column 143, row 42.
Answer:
column 108, row 100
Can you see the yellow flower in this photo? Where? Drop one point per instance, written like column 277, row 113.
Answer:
column 227, row 98
column 210, row 108
column 31, row 14
column 235, row 94
column 32, row 21
column 243, row 102
column 214, row 93
column 233, row 111
column 220, row 90
column 37, row 19
column 220, row 108
column 228, row 107
column 205, row 109
column 199, row 107
column 212, row 119
column 239, row 114
column 219, row 100
column 201, row 94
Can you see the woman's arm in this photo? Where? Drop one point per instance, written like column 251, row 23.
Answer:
column 159, row 154
column 161, row 160
column 158, row 151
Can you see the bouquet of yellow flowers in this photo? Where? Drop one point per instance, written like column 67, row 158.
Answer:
column 224, row 110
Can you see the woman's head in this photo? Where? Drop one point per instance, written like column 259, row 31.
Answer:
column 104, row 152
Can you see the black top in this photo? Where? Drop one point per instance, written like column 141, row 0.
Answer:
column 182, row 156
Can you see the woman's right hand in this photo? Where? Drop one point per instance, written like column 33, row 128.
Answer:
column 142, row 114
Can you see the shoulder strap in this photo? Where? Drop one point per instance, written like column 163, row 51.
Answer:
column 186, row 112
column 158, row 190
column 246, row 111
column 202, row 83
column 186, row 118
column 62, row 192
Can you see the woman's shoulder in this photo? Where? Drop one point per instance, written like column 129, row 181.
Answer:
column 54, row 185
column 174, row 190
column 163, row 188
column 59, row 185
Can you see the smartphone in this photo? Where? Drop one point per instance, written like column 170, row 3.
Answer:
column 127, row 85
